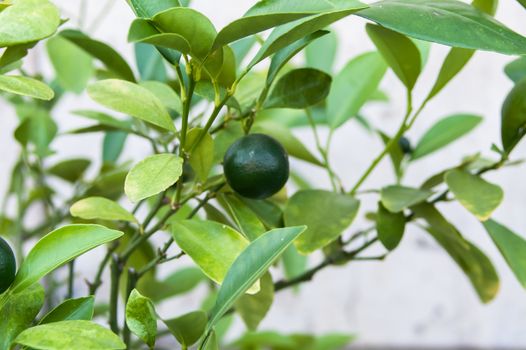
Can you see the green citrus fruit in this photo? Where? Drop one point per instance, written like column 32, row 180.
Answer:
column 256, row 166
column 7, row 266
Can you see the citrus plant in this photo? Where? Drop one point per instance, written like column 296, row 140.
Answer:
column 216, row 111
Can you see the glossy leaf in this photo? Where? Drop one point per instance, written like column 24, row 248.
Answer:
column 111, row 59
column 444, row 132
column 71, row 309
column 390, row 227
column 326, row 215
column 202, row 156
column 329, row 46
column 254, row 308
column 447, row 22
column 59, row 247
column 513, row 117
column 141, row 318
column 70, row 335
column 291, row 143
column 299, row 88
column 105, row 119
column 294, row 264
column 400, row 53
column 469, row 258
column 150, row 63
column 476, row 194
column 188, row 328
column 131, row 99
column 25, row 86
column 511, row 246
column 113, row 145
column 152, row 175
column 37, row 129
column 286, row 34
column 245, row 219
column 70, row 170
column 191, row 25
column 280, row 59
column 516, row 70
column 165, row 94
column 268, row 14
column 397, row 198
column 100, row 208
column 19, row 311
column 13, row 55
column 147, row 8
column 73, row 66
column 143, row 32
column 353, row 86
column 212, row 246
column 250, row 266
column 26, row 21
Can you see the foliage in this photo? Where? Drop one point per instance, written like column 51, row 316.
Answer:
column 192, row 92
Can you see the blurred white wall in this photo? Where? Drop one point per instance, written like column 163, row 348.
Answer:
column 417, row 295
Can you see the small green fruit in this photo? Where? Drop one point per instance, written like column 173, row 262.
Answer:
column 7, row 266
column 256, row 166
column 405, row 145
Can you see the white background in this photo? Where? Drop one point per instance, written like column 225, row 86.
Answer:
column 417, row 295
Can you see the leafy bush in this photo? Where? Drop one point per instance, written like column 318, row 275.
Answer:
column 192, row 96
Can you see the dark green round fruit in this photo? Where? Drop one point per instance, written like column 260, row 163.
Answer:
column 256, row 166
column 405, row 145
column 7, row 266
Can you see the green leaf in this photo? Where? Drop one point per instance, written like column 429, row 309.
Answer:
column 73, row 66
column 26, row 21
column 212, row 246
column 353, row 86
column 191, row 25
column 13, row 55
column 101, row 51
column 326, row 215
column 291, row 143
column 511, row 246
column 100, row 208
column 286, row 34
column 19, row 311
column 250, row 266
column 105, row 119
column 280, row 59
column 254, row 308
column 516, row 70
column 148, row 8
column 67, row 335
column 469, row 258
column 300, row 88
column 513, row 117
column 400, row 53
column 522, row 2
column 143, row 32
column 180, row 282
column 245, row 219
column 113, row 145
column 71, row 309
column 268, row 212
column 294, row 264
column 202, row 156
column 132, row 99
column 153, row 175
column 447, row 22
column 57, row 248
column 395, row 154
column 188, row 328
column 268, row 14
column 329, row 46
column 70, row 170
column 26, row 87
column 396, row 198
column 390, row 227
column 444, row 132
column 141, row 318
column 150, row 63
column 476, row 194
column 165, row 94
column 37, row 129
